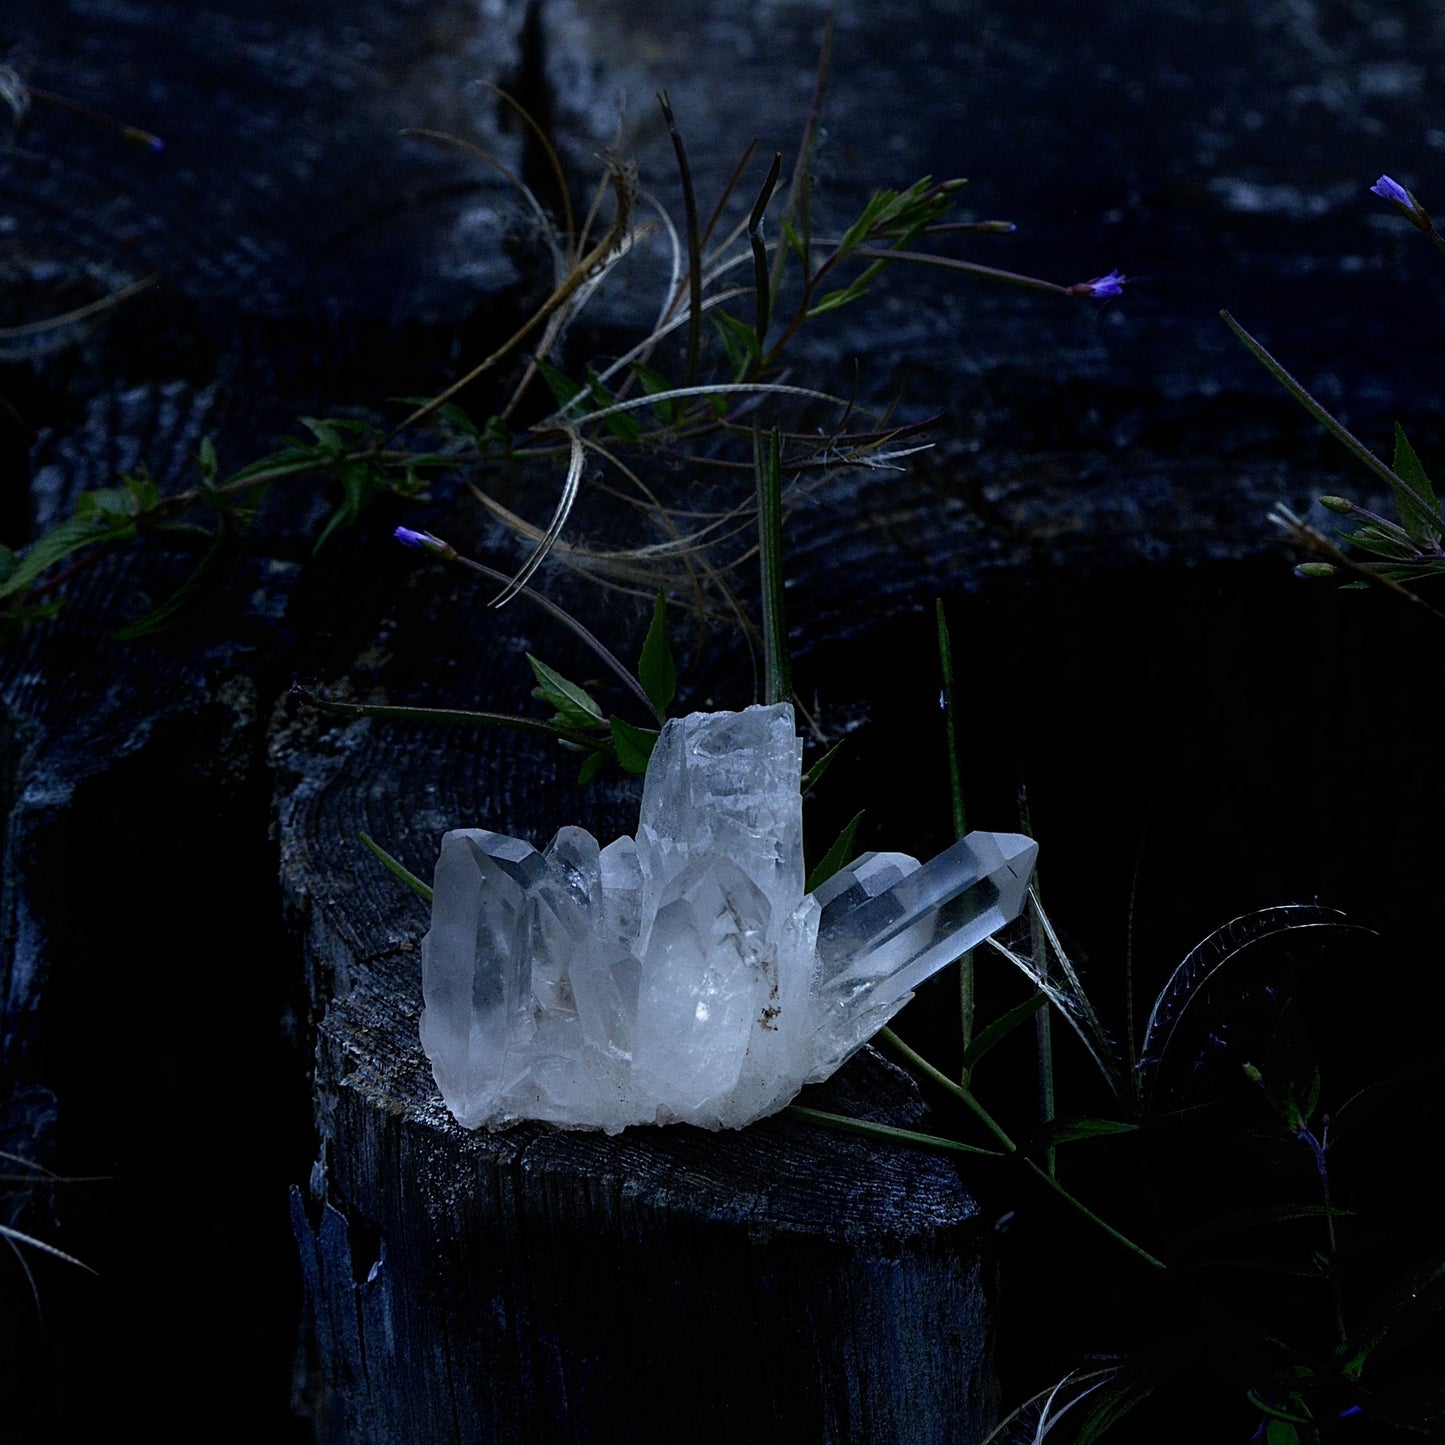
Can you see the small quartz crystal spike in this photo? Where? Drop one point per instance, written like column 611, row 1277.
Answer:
column 886, row 926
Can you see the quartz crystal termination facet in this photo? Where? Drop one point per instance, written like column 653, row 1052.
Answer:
column 684, row 976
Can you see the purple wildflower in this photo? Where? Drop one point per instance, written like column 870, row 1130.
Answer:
column 1110, row 285
column 1392, row 191
column 426, row 542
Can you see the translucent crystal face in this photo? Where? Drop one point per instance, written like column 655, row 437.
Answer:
column 684, row 976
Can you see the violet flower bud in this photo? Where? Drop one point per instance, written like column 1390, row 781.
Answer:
column 1100, row 286
column 1403, row 201
column 425, row 541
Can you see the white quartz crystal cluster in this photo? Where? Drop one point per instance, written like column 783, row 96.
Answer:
column 683, row 976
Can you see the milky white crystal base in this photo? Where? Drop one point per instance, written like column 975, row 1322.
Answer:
column 683, row 976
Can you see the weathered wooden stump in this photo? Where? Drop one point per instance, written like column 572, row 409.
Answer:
column 540, row 1284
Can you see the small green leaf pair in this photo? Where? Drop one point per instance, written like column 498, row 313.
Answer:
column 577, row 709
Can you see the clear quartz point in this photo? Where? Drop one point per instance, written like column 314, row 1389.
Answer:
column 684, row 976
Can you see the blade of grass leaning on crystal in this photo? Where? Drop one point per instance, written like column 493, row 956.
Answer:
column 966, row 1005
column 1335, row 428
column 777, row 674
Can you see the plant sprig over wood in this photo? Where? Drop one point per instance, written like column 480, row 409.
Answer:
column 713, row 365
column 1400, row 552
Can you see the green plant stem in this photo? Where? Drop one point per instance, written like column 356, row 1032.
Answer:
column 1335, row 428
column 1043, row 1030
column 1077, row 1204
column 777, row 675
column 953, row 263
column 964, row 1096
column 1322, row 1168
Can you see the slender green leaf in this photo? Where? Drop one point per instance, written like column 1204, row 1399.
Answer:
column 746, row 336
column 1001, row 1028
column 836, row 856
column 398, row 870
column 1070, row 1131
column 389, row 712
column 814, row 775
column 795, row 243
column 1240, row 1220
column 51, row 547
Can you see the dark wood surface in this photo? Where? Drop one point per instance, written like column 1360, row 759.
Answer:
column 209, row 989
